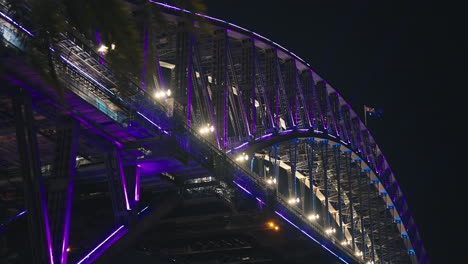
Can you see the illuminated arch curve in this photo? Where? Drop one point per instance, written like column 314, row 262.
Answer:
column 256, row 93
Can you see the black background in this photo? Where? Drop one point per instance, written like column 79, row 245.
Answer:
column 406, row 57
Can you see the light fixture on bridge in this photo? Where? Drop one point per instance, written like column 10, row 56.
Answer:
column 294, row 200
column 330, row 231
column 206, row 129
column 162, row 94
column 313, row 217
column 358, row 253
column 242, row 157
column 271, row 181
column 113, row 46
column 103, row 49
column 345, row 242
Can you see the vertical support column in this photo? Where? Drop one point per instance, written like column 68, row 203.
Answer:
column 276, row 166
column 324, row 154
column 380, row 230
column 350, row 198
column 292, row 182
column 34, row 192
column 338, row 179
column 290, row 86
column 271, row 80
column 248, row 82
column 117, row 186
column 310, row 99
column 310, row 164
column 132, row 181
column 388, row 246
column 220, row 91
column 361, row 209
column 61, row 186
column 181, row 69
column 369, row 208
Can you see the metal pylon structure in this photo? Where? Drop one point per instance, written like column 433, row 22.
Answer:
column 229, row 114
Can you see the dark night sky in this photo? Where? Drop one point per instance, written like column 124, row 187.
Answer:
column 406, row 57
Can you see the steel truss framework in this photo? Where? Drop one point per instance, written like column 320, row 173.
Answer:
column 298, row 146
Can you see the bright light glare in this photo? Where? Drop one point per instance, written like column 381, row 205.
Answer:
column 313, row 217
column 103, row 48
column 330, row 231
column 243, row 157
column 206, row 129
column 162, row 94
column 294, row 201
column 112, row 46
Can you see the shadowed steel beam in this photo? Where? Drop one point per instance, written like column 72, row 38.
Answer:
column 160, row 210
column 35, row 197
column 369, row 208
column 62, row 185
column 310, row 164
column 324, row 154
column 361, row 210
column 337, row 154
column 350, row 197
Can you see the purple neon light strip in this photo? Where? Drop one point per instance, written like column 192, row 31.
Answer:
column 98, row 246
column 16, row 23
column 68, row 206
column 122, row 180
column 137, row 183
column 46, row 223
column 98, row 40
column 147, row 119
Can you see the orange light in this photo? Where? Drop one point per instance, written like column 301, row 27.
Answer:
column 271, row 224
column 276, row 228
column 68, row 249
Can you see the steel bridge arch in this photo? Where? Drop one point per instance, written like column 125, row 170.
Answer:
column 319, row 112
column 231, row 100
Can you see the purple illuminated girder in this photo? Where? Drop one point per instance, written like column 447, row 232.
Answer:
column 71, row 183
column 36, row 201
column 122, row 179
column 98, row 40
column 103, row 246
column 137, row 183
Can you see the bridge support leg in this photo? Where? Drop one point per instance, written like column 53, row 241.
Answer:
column 117, row 187
column 337, row 154
column 371, row 220
column 34, row 192
column 62, row 185
column 292, row 179
column 350, row 198
column 361, row 209
column 324, row 154
column 310, row 164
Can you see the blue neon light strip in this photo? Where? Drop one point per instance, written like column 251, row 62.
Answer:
column 13, row 218
column 16, row 23
column 291, row 223
column 100, row 245
column 156, row 125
